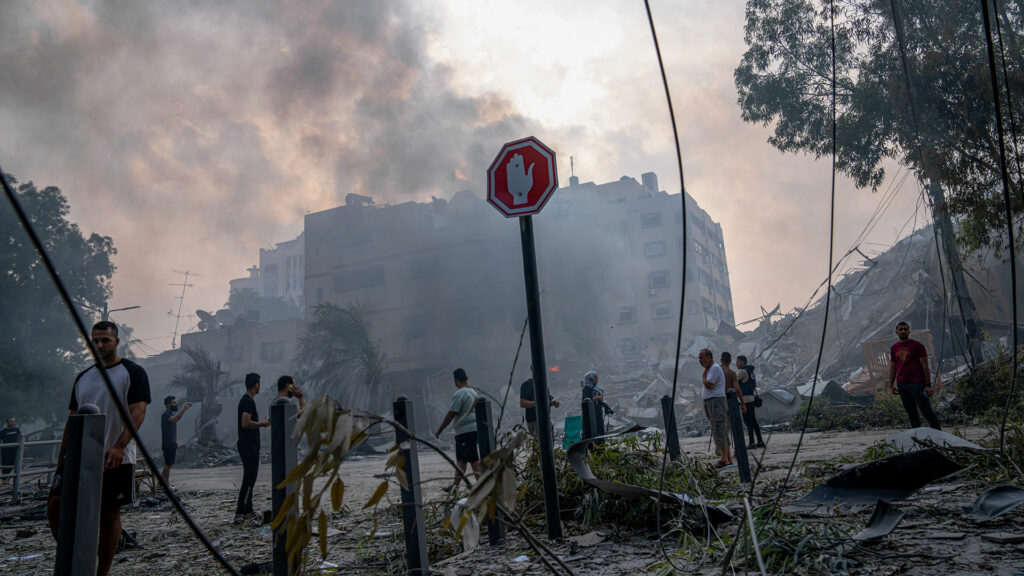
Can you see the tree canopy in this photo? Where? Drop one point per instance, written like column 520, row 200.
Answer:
column 784, row 81
column 40, row 349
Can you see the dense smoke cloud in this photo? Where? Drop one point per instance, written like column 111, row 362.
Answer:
column 195, row 133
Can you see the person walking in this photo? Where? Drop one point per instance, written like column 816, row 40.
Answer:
column 748, row 386
column 169, row 433
column 715, row 407
column 248, row 445
column 463, row 412
column 131, row 389
column 910, row 377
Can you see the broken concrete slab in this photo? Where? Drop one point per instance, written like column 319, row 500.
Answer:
column 1004, row 537
column 995, row 502
column 916, row 438
column 884, row 520
column 891, row 478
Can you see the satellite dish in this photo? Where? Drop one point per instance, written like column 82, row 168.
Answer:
column 224, row 317
column 206, row 320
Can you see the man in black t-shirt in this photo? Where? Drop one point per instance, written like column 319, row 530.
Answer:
column 248, row 444
column 131, row 385
column 9, row 435
column 528, row 400
column 169, row 433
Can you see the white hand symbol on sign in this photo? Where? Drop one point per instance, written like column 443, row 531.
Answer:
column 520, row 181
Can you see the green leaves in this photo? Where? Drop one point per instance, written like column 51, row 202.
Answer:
column 329, row 432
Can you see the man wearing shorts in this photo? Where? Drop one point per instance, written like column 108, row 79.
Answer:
column 131, row 386
column 463, row 412
column 169, row 433
column 715, row 406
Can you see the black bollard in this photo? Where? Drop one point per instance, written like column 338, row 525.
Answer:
column 284, row 457
column 18, row 457
column 81, row 487
column 485, row 439
column 671, row 433
column 737, row 436
column 588, row 419
column 412, row 500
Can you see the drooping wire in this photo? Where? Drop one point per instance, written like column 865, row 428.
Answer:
column 1009, row 213
column 122, row 410
column 1009, row 102
column 682, row 290
column 831, row 242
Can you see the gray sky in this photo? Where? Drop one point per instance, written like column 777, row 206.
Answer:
column 196, row 133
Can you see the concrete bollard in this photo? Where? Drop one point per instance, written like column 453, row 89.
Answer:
column 412, row 500
column 737, row 436
column 485, row 440
column 81, row 489
column 588, row 419
column 284, row 457
column 671, row 433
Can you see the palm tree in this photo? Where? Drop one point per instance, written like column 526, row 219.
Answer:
column 340, row 357
column 203, row 380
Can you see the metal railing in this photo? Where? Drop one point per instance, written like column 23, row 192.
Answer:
column 36, row 467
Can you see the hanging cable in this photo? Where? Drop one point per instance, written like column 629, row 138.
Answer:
column 1009, row 214
column 1009, row 102
column 682, row 290
column 831, row 241
column 122, row 410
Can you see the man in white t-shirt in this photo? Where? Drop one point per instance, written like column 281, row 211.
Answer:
column 463, row 412
column 131, row 385
column 715, row 406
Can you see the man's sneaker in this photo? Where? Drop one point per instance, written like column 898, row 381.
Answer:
column 447, row 488
column 760, row 444
column 751, row 446
column 239, row 518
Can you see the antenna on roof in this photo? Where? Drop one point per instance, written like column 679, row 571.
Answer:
column 181, row 300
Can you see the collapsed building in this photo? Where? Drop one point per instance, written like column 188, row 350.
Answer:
column 440, row 286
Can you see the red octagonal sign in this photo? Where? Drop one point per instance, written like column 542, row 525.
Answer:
column 522, row 177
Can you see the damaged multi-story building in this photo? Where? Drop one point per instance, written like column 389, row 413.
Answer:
column 441, row 285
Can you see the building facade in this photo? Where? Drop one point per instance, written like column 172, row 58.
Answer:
column 441, row 283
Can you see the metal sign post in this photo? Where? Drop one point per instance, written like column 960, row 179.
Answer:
column 540, row 380
column 519, row 182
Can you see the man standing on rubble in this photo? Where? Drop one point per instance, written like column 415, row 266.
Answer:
column 910, row 377
column 248, row 445
column 748, row 386
column 131, row 389
column 715, row 406
column 169, row 433
column 528, row 400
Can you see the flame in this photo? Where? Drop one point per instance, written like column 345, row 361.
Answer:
column 554, row 368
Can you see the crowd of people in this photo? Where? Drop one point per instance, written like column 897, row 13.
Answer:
column 909, row 377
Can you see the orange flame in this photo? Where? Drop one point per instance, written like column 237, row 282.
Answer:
column 554, row 368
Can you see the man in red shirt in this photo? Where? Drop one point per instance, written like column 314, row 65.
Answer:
column 910, row 378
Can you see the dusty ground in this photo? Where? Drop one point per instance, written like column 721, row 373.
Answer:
column 166, row 546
